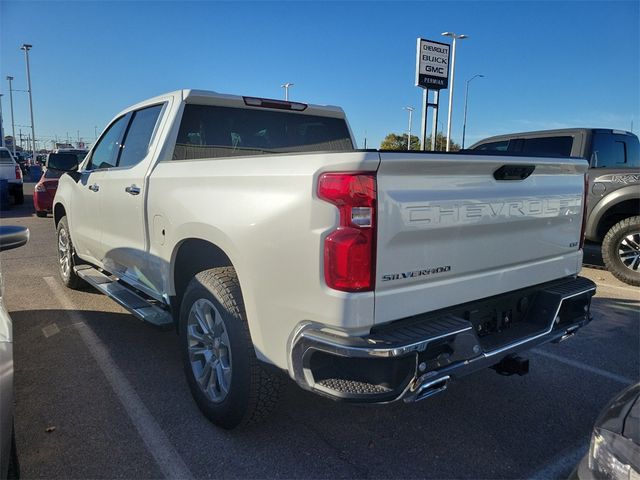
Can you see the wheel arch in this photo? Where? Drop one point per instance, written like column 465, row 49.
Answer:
column 190, row 256
column 58, row 212
column 616, row 206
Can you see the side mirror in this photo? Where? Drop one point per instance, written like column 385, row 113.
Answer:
column 13, row 236
column 65, row 162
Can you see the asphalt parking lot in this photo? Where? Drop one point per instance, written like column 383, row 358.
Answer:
column 101, row 395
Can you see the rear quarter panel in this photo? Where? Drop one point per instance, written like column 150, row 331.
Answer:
column 263, row 212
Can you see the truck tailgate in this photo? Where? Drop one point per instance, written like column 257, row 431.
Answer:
column 450, row 233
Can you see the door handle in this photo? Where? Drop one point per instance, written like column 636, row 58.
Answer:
column 132, row 190
column 94, row 188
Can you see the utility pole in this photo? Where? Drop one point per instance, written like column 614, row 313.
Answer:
column 453, row 67
column 26, row 47
column 466, row 98
column 13, row 126
column 410, row 110
column 286, row 87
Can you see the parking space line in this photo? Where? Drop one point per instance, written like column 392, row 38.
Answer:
column 156, row 441
column 583, row 366
column 562, row 465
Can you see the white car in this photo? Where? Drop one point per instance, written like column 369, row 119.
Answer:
column 10, row 237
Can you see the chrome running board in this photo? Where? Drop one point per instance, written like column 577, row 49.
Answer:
column 142, row 308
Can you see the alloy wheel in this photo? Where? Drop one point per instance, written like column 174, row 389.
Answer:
column 629, row 251
column 64, row 252
column 209, row 350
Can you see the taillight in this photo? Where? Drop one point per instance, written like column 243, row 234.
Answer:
column 584, row 210
column 18, row 173
column 349, row 251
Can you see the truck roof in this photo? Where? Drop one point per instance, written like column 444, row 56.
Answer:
column 209, row 97
column 554, row 132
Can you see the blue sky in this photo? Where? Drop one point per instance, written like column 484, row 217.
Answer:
column 546, row 64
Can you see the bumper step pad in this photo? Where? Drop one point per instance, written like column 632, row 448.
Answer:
column 352, row 387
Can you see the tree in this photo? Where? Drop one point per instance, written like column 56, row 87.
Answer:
column 441, row 143
column 399, row 142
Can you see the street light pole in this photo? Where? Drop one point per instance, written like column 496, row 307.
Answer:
column 410, row 110
column 13, row 125
column 453, row 67
column 286, row 90
column 466, row 98
column 1, row 123
column 26, row 47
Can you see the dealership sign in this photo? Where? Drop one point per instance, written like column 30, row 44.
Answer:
column 432, row 65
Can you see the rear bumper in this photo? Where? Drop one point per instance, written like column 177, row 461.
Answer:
column 42, row 201
column 414, row 358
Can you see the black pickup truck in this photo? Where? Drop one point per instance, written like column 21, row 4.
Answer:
column 613, row 205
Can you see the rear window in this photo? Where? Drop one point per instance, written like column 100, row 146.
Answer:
column 212, row 132
column 5, row 157
column 53, row 173
column 79, row 155
column 554, row 146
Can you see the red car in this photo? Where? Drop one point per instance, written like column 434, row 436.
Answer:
column 46, row 188
column 45, row 191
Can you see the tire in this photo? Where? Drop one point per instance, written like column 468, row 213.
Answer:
column 215, row 337
column 18, row 196
column 621, row 250
column 41, row 214
column 13, row 472
column 67, row 258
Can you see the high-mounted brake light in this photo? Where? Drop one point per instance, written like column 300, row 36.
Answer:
column 583, row 229
column 269, row 103
column 350, row 250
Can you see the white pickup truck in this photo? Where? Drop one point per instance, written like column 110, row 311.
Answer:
column 272, row 244
column 10, row 171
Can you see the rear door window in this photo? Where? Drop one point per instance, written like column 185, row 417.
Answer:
column 208, row 131
column 552, row 146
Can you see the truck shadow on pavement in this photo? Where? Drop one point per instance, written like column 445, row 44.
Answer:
column 484, row 426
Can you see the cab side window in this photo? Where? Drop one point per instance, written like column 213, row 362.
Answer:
column 105, row 154
column 136, row 143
